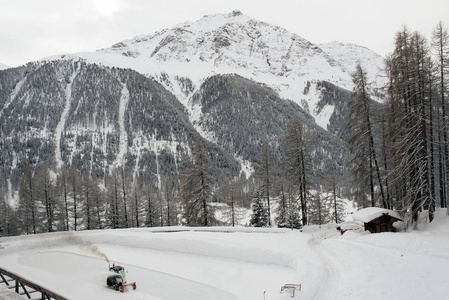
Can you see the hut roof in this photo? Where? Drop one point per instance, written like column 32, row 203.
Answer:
column 370, row 213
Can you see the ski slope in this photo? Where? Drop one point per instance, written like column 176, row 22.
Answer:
column 237, row 263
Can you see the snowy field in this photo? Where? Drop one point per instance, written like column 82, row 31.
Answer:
column 242, row 263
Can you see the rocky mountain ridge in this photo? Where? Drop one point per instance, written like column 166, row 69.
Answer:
column 183, row 57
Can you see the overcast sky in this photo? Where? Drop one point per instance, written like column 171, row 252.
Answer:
column 34, row 29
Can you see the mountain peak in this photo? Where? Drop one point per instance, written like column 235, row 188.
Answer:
column 234, row 43
column 212, row 22
column 235, row 13
column 223, row 43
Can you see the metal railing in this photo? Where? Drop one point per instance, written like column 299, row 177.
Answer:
column 22, row 283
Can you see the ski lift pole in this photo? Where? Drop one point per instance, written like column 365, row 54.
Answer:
column 264, row 294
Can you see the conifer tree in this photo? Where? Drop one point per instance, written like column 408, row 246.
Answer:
column 230, row 193
column 63, row 192
column 361, row 143
column 87, row 195
column 46, row 196
column 440, row 44
column 136, row 205
column 408, row 69
column 92, row 203
column 293, row 215
column 27, row 202
column 113, row 212
column 297, row 161
column 170, row 198
column 259, row 216
column 336, row 206
column 231, row 199
column 75, row 191
column 8, row 223
column 287, row 212
column 124, row 187
column 99, row 204
column 196, row 189
column 282, row 209
column 150, row 205
column 263, row 172
column 318, row 209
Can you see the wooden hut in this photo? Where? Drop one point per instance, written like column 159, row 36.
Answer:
column 377, row 219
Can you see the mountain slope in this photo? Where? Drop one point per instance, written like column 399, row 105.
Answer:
column 70, row 112
column 349, row 55
column 236, row 44
column 241, row 115
column 138, row 103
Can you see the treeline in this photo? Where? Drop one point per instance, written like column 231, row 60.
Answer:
column 279, row 195
column 400, row 151
column 75, row 201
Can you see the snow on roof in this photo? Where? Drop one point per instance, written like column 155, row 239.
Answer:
column 370, row 213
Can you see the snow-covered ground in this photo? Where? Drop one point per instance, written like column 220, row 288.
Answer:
column 242, row 263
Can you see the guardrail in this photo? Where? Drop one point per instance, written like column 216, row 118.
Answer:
column 20, row 282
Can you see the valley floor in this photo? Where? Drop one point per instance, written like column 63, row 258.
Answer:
column 242, row 263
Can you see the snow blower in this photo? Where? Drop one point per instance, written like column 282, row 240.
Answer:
column 117, row 281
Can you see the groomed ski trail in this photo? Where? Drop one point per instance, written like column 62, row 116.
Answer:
column 66, row 268
column 328, row 286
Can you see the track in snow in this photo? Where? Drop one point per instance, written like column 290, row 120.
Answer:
column 328, row 286
column 83, row 277
column 329, row 281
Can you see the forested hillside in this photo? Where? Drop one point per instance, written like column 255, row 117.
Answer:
column 87, row 142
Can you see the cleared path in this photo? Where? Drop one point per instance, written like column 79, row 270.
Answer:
column 83, row 277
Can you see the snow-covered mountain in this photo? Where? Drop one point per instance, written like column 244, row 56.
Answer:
column 236, row 81
column 349, row 55
column 3, row 66
column 237, row 44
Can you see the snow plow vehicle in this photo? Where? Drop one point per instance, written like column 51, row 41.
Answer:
column 117, row 281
